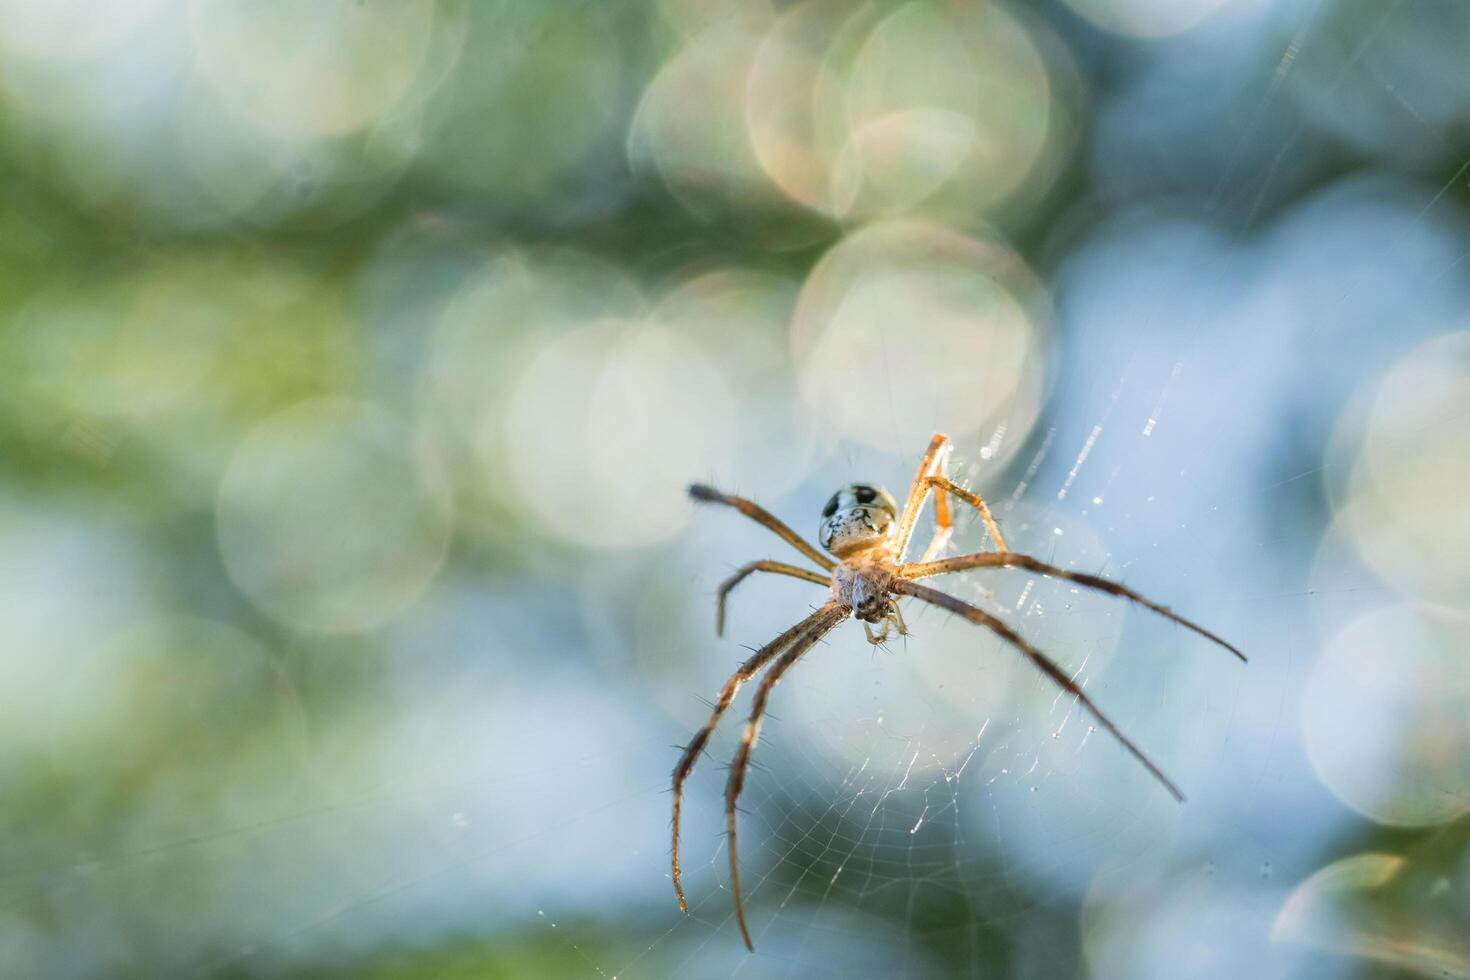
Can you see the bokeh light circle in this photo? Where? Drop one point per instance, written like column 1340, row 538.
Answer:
column 693, row 17
column 355, row 58
column 608, row 426
column 540, row 92
column 251, row 173
column 490, row 331
column 907, row 328
column 1407, row 503
column 1386, row 715
column 689, row 124
column 1376, row 907
column 328, row 521
column 739, row 318
column 844, row 125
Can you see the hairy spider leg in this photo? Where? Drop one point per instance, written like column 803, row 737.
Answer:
column 760, row 515
column 933, row 474
column 745, row 672
column 975, row 501
column 1012, row 559
column 1042, row 662
column 777, row 567
column 824, row 621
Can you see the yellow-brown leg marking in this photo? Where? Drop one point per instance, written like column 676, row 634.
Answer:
column 975, row 501
column 934, row 461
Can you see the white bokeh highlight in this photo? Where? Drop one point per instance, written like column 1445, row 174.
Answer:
column 328, row 520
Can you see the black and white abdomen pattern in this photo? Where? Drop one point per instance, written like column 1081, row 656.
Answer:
column 856, row 517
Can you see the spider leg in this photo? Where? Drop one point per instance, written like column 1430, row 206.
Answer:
column 876, row 639
column 936, row 459
column 1012, row 559
column 933, row 474
column 974, row 500
column 760, row 515
column 943, row 523
column 732, row 686
column 1043, row 663
column 780, row 568
column 825, row 619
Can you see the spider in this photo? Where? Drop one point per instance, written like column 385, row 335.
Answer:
column 867, row 534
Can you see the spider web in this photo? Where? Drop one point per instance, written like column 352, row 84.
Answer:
column 897, row 825
column 932, row 808
column 906, row 808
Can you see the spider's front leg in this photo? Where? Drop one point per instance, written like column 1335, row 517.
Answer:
column 777, row 567
column 757, row 513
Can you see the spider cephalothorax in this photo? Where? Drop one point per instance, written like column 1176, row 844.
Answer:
column 866, row 532
column 864, row 584
column 856, row 518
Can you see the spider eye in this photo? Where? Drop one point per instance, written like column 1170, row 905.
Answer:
column 865, row 495
column 831, row 507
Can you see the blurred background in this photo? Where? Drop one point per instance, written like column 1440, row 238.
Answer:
column 356, row 356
